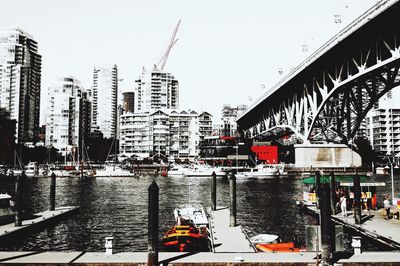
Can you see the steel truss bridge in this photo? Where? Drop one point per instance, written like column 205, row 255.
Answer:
column 329, row 94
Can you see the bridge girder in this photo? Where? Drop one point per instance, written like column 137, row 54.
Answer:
column 331, row 99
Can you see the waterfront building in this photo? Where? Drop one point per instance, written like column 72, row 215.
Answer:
column 20, row 76
column 383, row 126
column 104, row 99
column 155, row 90
column 68, row 115
column 163, row 133
column 228, row 126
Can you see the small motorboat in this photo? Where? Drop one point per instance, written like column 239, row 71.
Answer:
column 272, row 243
column 191, row 214
column 186, row 238
column 277, row 247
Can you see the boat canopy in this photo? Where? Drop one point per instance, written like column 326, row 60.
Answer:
column 326, row 179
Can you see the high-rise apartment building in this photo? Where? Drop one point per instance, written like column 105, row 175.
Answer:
column 20, row 76
column 156, row 89
column 68, row 115
column 383, row 126
column 166, row 133
column 104, row 97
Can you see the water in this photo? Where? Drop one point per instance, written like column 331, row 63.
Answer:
column 118, row 207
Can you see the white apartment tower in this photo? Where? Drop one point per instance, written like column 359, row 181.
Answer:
column 156, row 89
column 20, row 75
column 384, row 126
column 104, row 97
column 67, row 116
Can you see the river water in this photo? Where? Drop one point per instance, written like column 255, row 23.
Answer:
column 118, row 207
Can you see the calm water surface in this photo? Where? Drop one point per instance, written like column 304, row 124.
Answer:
column 118, row 207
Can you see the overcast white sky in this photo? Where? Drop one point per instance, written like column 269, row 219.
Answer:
column 226, row 50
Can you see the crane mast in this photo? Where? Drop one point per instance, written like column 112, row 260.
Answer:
column 163, row 59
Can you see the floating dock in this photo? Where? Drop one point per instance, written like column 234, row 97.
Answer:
column 225, row 238
column 373, row 226
column 39, row 221
column 185, row 258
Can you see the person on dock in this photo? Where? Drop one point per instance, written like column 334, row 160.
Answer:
column 343, row 204
column 386, row 205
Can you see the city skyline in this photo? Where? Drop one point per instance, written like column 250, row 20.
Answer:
column 239, row 49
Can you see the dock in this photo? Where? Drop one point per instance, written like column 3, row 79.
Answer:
column 38, row 222
column 225, row 238
column 373, row 226
column 185, row 258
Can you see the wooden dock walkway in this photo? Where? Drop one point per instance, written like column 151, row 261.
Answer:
column 225, row 238
column 40, row 220
column 373, row 226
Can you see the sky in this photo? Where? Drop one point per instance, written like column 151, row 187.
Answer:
column 228, row 51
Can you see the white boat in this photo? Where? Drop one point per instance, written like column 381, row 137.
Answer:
column 177, row 171
column 114, row 171
column 202, row 170
column 194, row 214
column 7, row 214
column 32, row 169
column 260, row 171
column 264, row 239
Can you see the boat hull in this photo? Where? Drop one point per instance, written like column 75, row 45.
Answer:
column 186, row 238
column 277, row 247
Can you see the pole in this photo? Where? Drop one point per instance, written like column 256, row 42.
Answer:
column 333, row 193
column 152, row 243
column 213, row 191
column 317, row 187
column 357, row 196
column 18, row 199
column 53, row 192
column 232, row 196
column 391, row 175
column 327, row 230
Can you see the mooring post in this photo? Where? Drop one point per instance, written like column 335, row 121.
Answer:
column 333, row 193
column 357, row 196
column 152, row 243
column 317, row 187
column 232, row 196
column 213, row 191
column 18, row 199
column 327, row 228
column 53, row 192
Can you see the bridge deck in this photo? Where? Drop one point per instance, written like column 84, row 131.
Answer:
column 226, row 238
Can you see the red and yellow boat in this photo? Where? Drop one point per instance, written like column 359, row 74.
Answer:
column 186, row 238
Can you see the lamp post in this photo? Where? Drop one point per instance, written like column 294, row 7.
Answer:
column 391, row 175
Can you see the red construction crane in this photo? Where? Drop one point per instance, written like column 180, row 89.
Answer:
column 163, row 60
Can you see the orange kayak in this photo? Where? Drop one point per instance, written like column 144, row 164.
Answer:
column 277, row 247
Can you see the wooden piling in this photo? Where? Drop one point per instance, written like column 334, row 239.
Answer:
column 333, row 193
column 327, row 229
column 317, row 187
column 232, row 196
column 18, row 199
column 357, row 196
column 152, row 243
column 53, row 192
column 213, row 191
